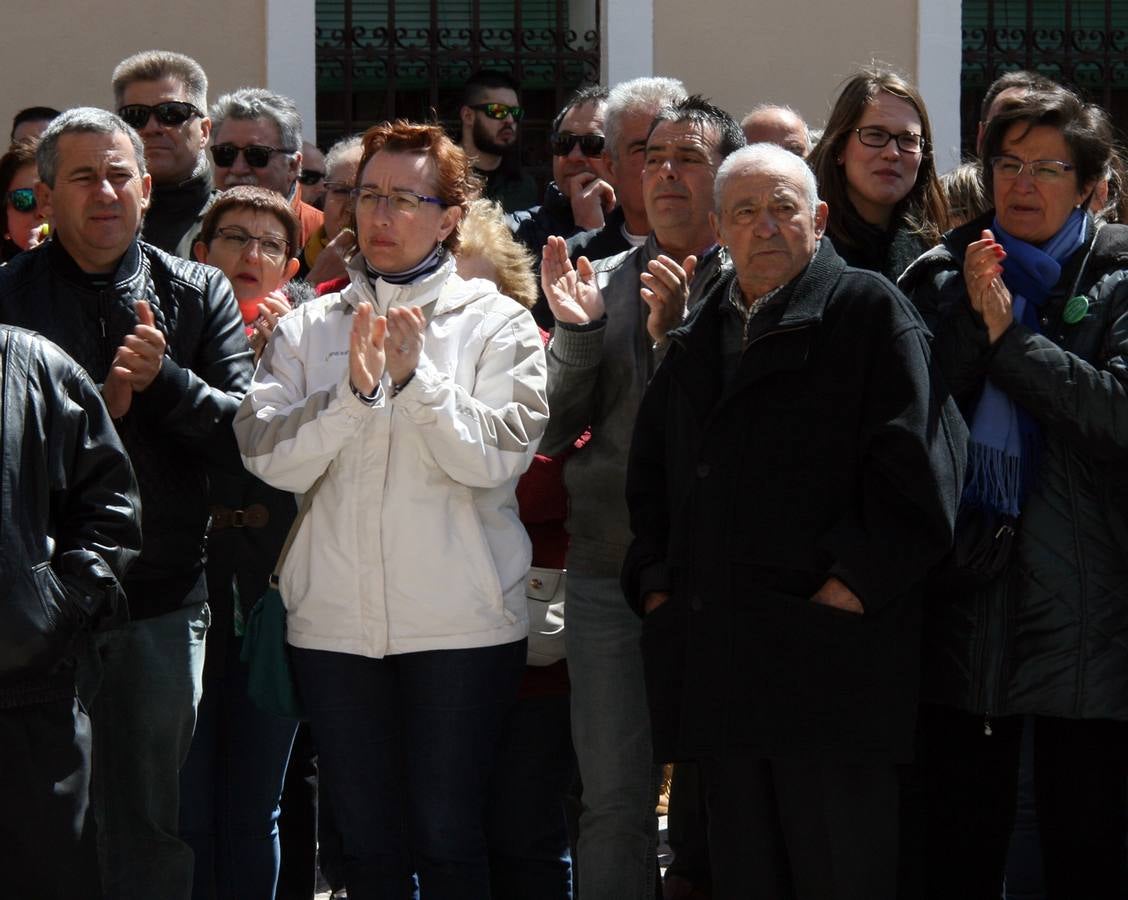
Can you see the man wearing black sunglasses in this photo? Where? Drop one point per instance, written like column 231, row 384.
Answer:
column 163, row 96
column 257, row 140
column 580, row 194
column 489, row 113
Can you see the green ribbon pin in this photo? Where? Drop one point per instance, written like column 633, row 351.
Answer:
column 1075, row 310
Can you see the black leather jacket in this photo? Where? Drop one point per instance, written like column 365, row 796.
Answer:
column 71, row 520
column 182, row 421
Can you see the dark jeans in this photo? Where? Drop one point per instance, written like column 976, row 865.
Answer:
column 230, row 787
column 801, row 829
column 405, row 748
column 971, row 780
column 525, row 825
column 47, row 849
column 141, row 686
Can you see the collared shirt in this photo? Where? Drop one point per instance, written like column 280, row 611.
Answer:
column 748, row 311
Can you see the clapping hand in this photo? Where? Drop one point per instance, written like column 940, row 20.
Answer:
column 366, row 349
column 983, row 271
column 136, row 363
column 665, row 289
column 573, row 294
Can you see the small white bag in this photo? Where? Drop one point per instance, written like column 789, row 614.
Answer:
column 544, row 590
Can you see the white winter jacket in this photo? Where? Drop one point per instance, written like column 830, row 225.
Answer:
column 412, row 542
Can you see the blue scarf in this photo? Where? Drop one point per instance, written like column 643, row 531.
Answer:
column 1006, row 440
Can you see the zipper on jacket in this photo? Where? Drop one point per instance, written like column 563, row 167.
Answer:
column 767, row 334
column 107, row 350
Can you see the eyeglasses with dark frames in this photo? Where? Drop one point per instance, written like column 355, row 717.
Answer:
column 310, row 176
column 1045, row 171
column 907, row 141
column 368, row 200
column 562, row 142
column 22, row 200
column 171, row 113
column 270, row 246
column 500, row 111
column 256, row 155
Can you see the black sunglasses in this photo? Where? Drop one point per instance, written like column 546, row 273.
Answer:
column 170, row 113
column 499, row 111
column 22, row 200
column 310, row 176
column 562, row 143
column 256, row 155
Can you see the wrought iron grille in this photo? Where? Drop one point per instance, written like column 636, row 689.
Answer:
column 1080, row 43
column 381, row 59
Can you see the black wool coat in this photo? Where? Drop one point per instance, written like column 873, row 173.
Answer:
column 834, row 450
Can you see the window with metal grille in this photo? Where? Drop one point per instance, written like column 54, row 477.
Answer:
column 382, row 59
column 1080, row 43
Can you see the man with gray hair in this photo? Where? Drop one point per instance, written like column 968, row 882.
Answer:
column 163, row 339
column 773, row 124
column 631, row 107
column 257, row 139
column 794, row 474
column 611, row 325
column 164, row 97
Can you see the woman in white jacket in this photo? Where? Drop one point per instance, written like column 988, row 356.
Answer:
column 418, row 399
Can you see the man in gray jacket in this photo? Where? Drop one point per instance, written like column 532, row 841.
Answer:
column 611, row 325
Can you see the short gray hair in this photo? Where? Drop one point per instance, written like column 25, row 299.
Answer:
column 341, row 149
column 770, row 156
column 154, row 65
column 258, row 103
column 639, row 95
column 82, row 120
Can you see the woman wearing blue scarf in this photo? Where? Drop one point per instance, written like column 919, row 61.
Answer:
column 1029, row 308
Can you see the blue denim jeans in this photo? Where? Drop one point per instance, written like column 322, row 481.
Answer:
column 405, row 749
column 141, row 684
column 525, row 825
column 617, row 849
column 231, row 785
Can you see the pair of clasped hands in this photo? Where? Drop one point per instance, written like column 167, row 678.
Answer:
column 983, row 269
column 393, row 342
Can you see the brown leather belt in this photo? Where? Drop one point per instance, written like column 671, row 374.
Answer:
column 254, row 516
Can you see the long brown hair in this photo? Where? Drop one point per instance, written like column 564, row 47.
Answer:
column 923, row 210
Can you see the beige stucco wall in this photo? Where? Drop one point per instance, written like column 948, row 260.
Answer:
column 61, row 53
column 742, row 52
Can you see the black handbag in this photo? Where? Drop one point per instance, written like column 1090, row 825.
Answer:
column 981, row 551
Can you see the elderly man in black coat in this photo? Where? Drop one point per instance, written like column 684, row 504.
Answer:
column 794, row 474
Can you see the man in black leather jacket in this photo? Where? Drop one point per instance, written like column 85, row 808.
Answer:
column 71, row 524
column 164, row 339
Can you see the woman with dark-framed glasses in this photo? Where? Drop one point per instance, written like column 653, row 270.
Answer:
column 876, row 172
column 1029, row 308
column 22, row 217
column 409, row 404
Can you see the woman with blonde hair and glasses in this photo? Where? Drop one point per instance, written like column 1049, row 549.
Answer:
column 875, row 169
column 409, row 404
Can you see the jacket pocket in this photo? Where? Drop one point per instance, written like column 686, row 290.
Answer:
column 34, row 630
